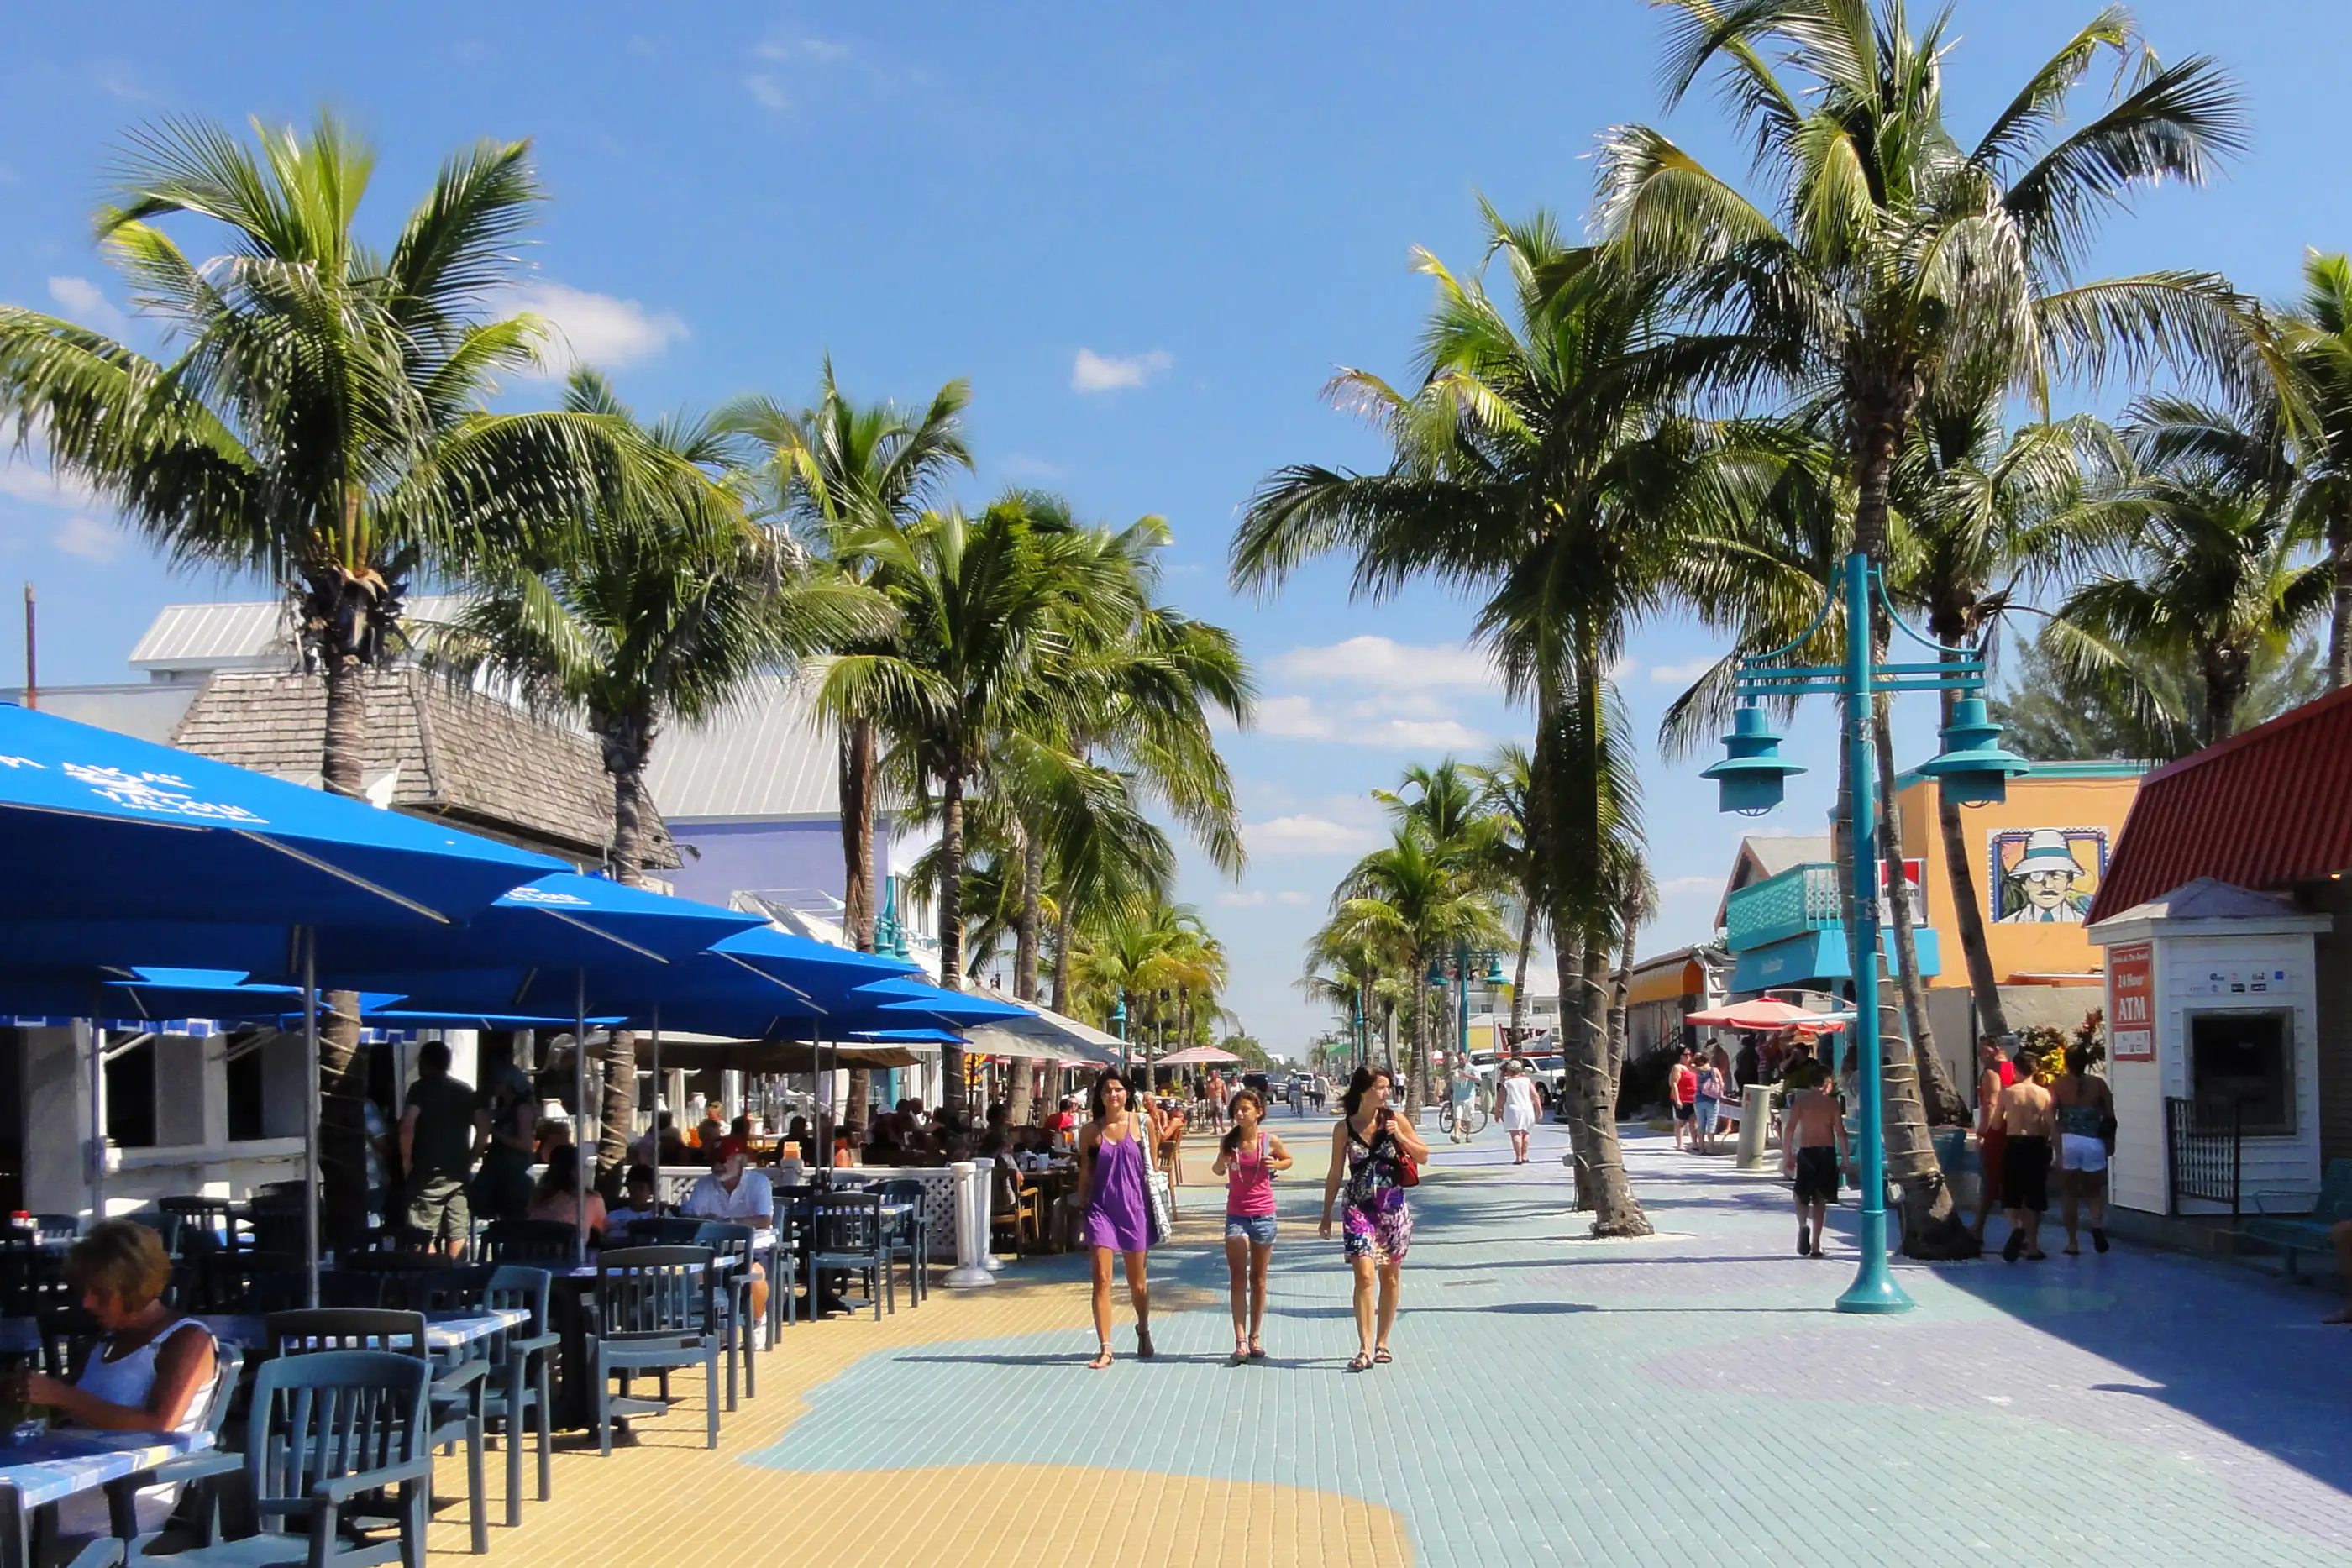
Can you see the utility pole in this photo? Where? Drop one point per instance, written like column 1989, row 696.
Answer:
column 32, row 652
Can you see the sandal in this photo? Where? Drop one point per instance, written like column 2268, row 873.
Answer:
column 1381, row 1357
column 1144, row 1350
column 1360, row 1362
column 1102, row 1358
column 1257, row 1350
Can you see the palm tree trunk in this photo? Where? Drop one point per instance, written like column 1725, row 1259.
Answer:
column 1417, row 1048
column 951, row 915
column 2339, row 629
column 1568, row 972
column 1943, row 1103
column 1592, row 1093
column 1967, row 914
column 858, row 833
column 1027, row 924
column 1062, row 954
column 342, row 1065
column 1621, row 986
column 1519, row 974
column 625, row 755
column 859, row 1107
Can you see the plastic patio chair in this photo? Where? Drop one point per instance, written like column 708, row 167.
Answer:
column 455, row 1401
column 327, row 1430
column 905, row 1236
column 254, row 1282
column 731, row 1291
column 199, row 1472
column 528, row 1241
column 181, row 1221
column 663, row 1230
column 845, row 1237
column 518, row 1390
column 655, row 1312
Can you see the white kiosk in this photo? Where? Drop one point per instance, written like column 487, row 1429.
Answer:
column 2212, row 1052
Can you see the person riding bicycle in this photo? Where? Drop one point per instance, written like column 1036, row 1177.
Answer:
column 1461, row 1093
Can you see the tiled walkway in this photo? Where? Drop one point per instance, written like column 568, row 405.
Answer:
column 1688, row 1398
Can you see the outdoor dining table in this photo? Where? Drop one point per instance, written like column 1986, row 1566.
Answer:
column 54, row 1467
column 572, row 1405
column 446, row 1332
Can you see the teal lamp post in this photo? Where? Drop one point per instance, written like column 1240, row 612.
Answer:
column 1972, row 767
column 1119, row 1027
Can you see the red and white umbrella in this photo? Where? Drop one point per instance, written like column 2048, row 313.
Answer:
column 1768, row 1014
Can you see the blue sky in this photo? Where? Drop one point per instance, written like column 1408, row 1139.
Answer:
column 1148, row 237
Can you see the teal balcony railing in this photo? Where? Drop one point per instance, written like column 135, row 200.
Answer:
column 1802, row 898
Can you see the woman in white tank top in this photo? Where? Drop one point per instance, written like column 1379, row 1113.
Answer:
column 152, row 1372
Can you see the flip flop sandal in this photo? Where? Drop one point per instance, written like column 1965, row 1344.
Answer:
column 1382, row 1357
column 1257, row 1350
column 1101, row 1361
column 1359, row 1361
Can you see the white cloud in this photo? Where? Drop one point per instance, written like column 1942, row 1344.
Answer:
column 1297, row 717
column 1680, row 675
column 87, row 304
column 1094, row 372
column 1306, row 835
column 822, row 51
column 1240, row 900
column 19, row 480
column 1681, row 886
column 1389, row 665
column 767, row 92
column 1290, row 896
column 88, row 538
column 1021, row 465
column 597, row 329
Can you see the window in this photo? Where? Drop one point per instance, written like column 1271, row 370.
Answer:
column 2245, row 1062
column 131, row 1095
column 246, row 1099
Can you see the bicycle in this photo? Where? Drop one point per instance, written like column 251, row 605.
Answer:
column 1475, row 1121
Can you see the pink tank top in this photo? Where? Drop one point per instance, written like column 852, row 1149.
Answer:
column 1249, row 1185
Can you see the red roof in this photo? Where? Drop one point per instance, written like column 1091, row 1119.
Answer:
column 2264, row 810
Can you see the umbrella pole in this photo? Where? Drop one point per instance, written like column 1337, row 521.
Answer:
column 579, row 1113
column 824, row 1161
column 97, row 1110
column 310, row 1121
column 652, row 1122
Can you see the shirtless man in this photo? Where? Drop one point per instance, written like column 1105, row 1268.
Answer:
column 2083, row 1105
column 2027, row 1116
column 1812, row 1141
column 1995, row 1073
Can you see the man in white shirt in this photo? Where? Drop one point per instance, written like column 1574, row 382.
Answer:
column 739, row 1196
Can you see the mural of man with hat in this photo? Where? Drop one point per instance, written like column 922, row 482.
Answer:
column 2040, row 883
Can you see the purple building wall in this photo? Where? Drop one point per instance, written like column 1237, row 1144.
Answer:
column 723, row 858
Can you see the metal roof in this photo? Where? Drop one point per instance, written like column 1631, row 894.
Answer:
column 767, row 757
column 2264, row 810
column 195, row 638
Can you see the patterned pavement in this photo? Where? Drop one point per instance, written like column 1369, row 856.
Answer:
column 1689, row 1397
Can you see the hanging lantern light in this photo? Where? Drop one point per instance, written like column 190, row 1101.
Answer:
column 1494, row 976
column 1751, row 778
column 1974, row 768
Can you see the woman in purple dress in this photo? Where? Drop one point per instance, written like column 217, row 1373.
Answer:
column 1114, row 1165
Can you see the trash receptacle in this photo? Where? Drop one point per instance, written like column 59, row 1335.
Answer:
column 1755, row 1119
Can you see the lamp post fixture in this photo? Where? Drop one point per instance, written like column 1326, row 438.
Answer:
column 1972, row 767
column 1119, row 1027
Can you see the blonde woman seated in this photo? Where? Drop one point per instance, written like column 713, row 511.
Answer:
column 151, row 1372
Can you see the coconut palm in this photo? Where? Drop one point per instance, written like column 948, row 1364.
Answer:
column 838, row 471
column 321, row 421
column 1540, row 464
column 2207, row 565
column 1506, row 784
column 1892, row 258
column 643, row 616
column 2317, row 338
column 1411, row 896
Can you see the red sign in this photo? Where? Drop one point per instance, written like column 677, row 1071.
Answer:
column 2131, row 1003
column 1913, row 873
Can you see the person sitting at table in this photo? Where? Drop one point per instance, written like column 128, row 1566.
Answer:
column 638, row 1201
column 557, row 1195
column 798, row 1132
column 739, row 1196
column 150, row 1373
column 708, row 1134
column 552, row 1135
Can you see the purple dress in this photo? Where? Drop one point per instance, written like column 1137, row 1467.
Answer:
column 1117, row 1214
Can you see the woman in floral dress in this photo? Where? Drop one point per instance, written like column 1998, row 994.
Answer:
column 1370, row 1148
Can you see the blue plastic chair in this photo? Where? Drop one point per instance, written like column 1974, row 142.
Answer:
column 517, row 1388
column 655, row 1312
column 845, row 1237
column 733, row 1295
column 327, row 1430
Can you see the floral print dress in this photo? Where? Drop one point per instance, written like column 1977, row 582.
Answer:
column 1378, row 1221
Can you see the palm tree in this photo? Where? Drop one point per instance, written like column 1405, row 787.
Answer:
column 1896, row 258
column 2207, row 558
column 1540, row 464
column 2317, row 339
column 323, row 421
column 991, row 611
column 1505, row 789
column 2048, row 714
column 1412, row 897
column 658, row 614
column 839, row 471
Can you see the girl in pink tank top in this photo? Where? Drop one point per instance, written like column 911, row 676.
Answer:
column 1248, row 1158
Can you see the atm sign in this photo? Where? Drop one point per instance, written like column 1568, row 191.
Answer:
column 2131, row 1003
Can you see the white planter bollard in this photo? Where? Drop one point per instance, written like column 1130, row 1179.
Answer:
column 971, row 1227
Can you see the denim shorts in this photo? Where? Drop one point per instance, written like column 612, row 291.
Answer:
column 1257, row 1229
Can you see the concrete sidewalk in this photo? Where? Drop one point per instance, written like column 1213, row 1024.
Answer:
column 1687, row 1398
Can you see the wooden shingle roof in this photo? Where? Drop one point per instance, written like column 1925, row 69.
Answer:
column 433, row 750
